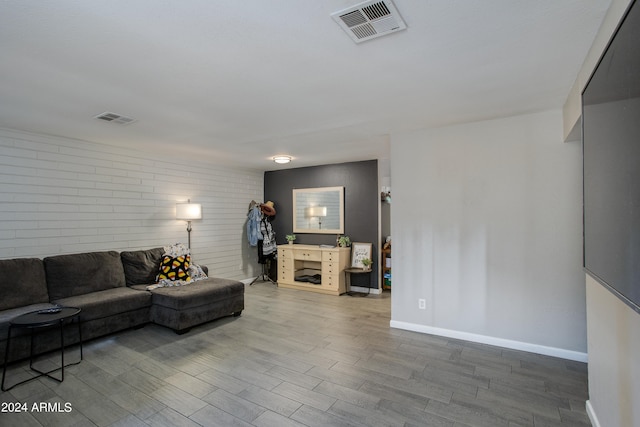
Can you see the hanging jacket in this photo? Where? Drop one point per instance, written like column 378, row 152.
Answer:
column 253, row 226
column 268, row 237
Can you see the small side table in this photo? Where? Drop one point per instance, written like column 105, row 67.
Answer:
column 355, row 270
column 43, row 319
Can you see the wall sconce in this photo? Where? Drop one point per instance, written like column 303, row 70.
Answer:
column 316, row 211
column 187, row 212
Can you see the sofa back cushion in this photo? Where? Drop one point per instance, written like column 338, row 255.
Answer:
column 141, row 267
column 22, row 282
column 79, row 274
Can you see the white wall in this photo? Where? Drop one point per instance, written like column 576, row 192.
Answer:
column 63, row 196
column 614, row 354
column 487, row 228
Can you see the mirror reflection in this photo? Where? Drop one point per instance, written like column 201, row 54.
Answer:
column 318, row 210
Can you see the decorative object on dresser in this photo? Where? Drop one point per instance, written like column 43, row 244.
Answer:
column 313, row 268
column 343, row 241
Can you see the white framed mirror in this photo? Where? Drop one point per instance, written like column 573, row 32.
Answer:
column 318, row 210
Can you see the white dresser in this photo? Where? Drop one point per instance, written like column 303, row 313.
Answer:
column 318, row 269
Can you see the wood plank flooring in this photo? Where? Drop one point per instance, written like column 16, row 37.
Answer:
column 301, row 359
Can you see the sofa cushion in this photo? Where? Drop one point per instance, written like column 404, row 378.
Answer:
column 174, row 268
column 110, row 302
column 83, row 273
column 196, row 294
column 141, row 267
column 22, row 282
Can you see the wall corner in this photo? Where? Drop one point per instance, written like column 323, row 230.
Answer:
column 572, row 115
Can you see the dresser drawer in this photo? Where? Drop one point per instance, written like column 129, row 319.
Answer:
column 330, row 268
column 285, row 263
column 285, row 253
column 330, row 256
column 285, row 274
column 308, row 255
column 332, row 281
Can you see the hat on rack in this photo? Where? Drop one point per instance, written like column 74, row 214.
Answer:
column 267, row 208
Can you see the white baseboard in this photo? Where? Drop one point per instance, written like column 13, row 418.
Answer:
column 592, row 414
column 363, row 290
column 500, row 342
column 353, row 288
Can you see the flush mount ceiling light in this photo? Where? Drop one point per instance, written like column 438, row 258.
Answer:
column 282, row 159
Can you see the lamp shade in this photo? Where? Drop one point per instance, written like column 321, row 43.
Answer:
column 314, row 211
column 188, row 211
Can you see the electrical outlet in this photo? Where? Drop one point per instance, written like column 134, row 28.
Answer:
column 422, row 304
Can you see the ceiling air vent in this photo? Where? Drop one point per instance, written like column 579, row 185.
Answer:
column 369, row 20
column 115, row 118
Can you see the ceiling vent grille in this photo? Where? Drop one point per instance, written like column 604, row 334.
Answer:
column 115, row 118
column 369, row 20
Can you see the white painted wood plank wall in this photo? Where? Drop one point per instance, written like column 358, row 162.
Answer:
column 61, row 196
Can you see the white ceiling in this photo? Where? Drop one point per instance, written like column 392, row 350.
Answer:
column 240, row 81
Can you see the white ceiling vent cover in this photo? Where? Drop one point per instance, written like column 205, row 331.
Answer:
column 115, row 118
column 370, row 19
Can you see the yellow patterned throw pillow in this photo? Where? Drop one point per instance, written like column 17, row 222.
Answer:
column 174, row 268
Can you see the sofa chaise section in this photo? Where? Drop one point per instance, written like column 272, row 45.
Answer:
column 182, row 307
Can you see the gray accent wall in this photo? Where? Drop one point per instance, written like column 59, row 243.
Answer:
column 361, row 200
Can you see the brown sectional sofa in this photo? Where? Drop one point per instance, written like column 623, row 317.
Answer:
column 110, row 288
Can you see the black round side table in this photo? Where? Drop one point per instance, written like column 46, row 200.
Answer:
column 55, row 316
column 355, row 270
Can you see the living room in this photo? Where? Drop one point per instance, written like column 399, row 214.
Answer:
column 486, row 201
